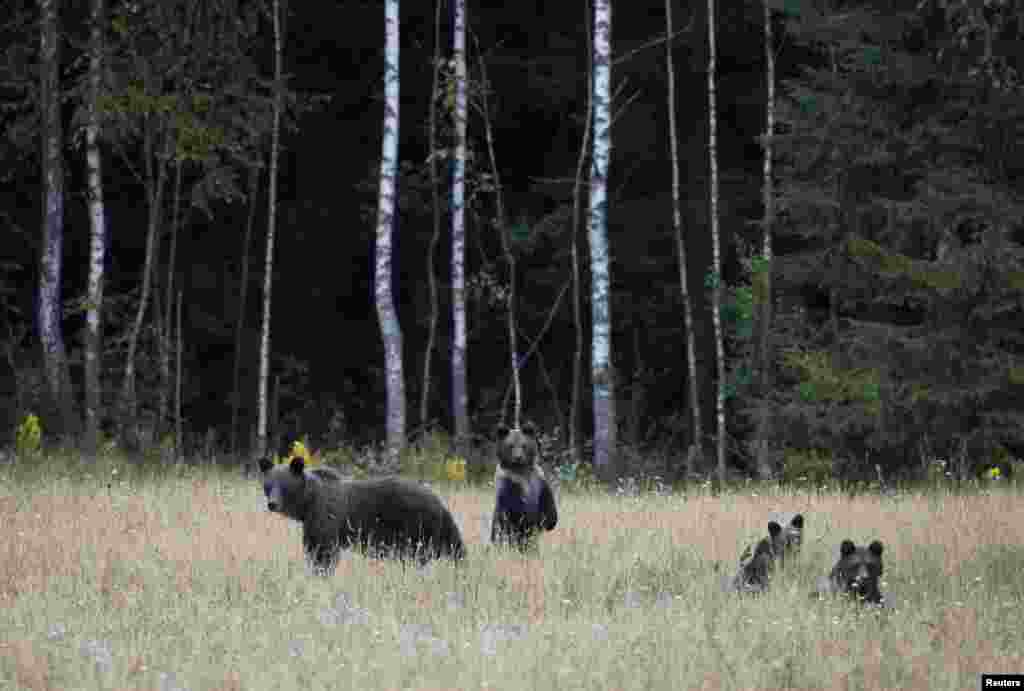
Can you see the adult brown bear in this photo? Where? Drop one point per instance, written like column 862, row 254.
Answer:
column 386, row 517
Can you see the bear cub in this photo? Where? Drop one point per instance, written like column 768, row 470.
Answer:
column 856, row 574
column 524, row 504
column 385, row 517
column 757, row 564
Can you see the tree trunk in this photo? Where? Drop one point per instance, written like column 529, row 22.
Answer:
column 696, row 441
column 154, row 197
column 460, row 399
column 763, row 274
column 716, row 294
column 97, row 239
column 268, row 263
column 435, row 236
column 243, row 291
column 49, row 313
column 575, row 434
column 390, row 329
column 605, row 428
column 506, row 248
column 179, row 442
column 164, row 337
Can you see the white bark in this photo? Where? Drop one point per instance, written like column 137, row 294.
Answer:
column 601, row 345
column 460, row 398
column 716, row 295
column 268, row 262
column 390, row 329
column 764, row 375
column 677, row 224
column 97, row 236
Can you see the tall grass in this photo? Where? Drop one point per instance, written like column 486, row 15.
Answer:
column 187, row 582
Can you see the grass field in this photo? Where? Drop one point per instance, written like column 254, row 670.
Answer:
column 187, row 582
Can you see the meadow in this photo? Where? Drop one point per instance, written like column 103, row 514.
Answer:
column 184, row 581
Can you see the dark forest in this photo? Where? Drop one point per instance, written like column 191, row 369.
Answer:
column 895, row 286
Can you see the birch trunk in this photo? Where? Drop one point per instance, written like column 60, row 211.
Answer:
column 692, row 458
column 97, row 238
column 764, row 274
column 716, row 292
column 390, row 329
column 435, row 235
column 460, row 398
column 268, row 262
column 605, row 427
column 49, row 304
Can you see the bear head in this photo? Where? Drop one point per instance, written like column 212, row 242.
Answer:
column 286, row 487
column 517, row 447
column 858, row 570
column 788, row 540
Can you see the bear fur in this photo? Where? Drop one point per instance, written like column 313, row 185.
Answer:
column 524, row 503
column 755, row 570
column 856, row 574
column 758, row 563
column 385, row 517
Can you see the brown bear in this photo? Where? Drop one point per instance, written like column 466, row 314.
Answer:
column 386, row 517
column 758, row 563
column 524, row 503
column 755, row 570
column 856, row 574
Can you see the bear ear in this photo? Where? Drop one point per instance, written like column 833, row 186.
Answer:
column 298, row 465
column 529, row 429
column 876, row 548
column 774, row 529
column 501, row 431
column 847, row 548
column 798, row 521
column 265, row 465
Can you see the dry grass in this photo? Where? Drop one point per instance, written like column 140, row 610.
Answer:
column 188, row 583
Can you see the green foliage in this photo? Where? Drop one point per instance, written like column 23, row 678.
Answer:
column 820, row 381
column 811, row 466
column 28, row 438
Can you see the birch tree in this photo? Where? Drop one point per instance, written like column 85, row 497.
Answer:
column 762, row 274
column 601, row 337
column 677, row 225
column 460, row 398
column 48, row 305
column 390, row 330
column 268, row 262
column 716, row 269
column 97, row 234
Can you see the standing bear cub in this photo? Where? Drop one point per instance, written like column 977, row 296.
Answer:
column 386, row 517
column 758, row 563
column 856, row 574
column 524, row 503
